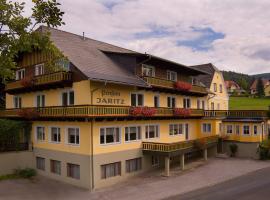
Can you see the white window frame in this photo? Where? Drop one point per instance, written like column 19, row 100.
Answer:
column 67, row 136
column 170, row 75
column 112, row 143
column 17, row 105
column 245, row 125
column 20, row 74
column 144, row 66
column 138, row 134
column 170, row 100
column 137, row 97
column 158, row 97
column 39, row 69
column 206, row 128
column 231, row 126
column 185, row 100
column 257, row 129
column 157, row 134
column 43, row 135
column 36, row 100
column 178, row 129
column 50, row 134
column 68, row 97
column 237, row 129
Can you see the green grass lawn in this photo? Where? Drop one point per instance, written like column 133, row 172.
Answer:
column 246, row 103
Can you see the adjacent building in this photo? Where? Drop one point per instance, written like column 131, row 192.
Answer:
column 112, row 113
column 266, row 85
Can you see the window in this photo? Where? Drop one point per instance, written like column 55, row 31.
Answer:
column 171, row 102
column 171, row 75
column 20, row 74
column 255, row 129
column 55, row 134
column 186, row 103
column 136, row 99
column 40, row 163
column 155, row 161
column 39, row 69
column 132, row 133
column 110, row 170
column 40, row 100
column 64, row 64
column 17, row 101
column 237, row 129
column 109, row 135
column 133, row 165
column 40, row 133
column 218, row 106
column 203, row 104
column 229, row 129
column 198, row 104
column 215, row 87
column 156, row 101
column 151, row 131
column 56, row 167
column 246, row 130
column 73, row 171
column 212, row 106
column 68, row 98
column 148, row 70
column 176, row 129
column 206, row 128
column 220, row 88
column 73, row 136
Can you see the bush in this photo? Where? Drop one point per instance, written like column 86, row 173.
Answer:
column 26, row 173
column 233, row 149
column 263, row 149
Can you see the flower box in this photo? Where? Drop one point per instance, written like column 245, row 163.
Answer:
column 183, row 86
column 182, row 112
column 27, row 82
column 143, row 111
column 28, row 113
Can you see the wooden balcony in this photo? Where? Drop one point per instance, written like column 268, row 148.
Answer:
column 236, row 113
column 170, row 85
column 85, row 111
column 47, row 81
column 178, row 147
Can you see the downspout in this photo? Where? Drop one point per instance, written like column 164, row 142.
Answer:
column 92, row 137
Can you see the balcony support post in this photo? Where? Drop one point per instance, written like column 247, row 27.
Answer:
column 167, row 166
column 182, row 161
column 205, row 154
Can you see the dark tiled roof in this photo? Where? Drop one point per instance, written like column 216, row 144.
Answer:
column 210, row 69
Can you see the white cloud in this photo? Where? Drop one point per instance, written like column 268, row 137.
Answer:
column 243, row 22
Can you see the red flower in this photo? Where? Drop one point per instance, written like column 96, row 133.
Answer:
column 27, row 82
column 28, row 113
column 182, row 112
column 145, row 111
column 136, row 111
column 184, row 86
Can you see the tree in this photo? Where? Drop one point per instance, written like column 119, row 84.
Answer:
column 17, row 34
column 260, row 88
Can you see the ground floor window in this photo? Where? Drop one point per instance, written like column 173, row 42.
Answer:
column 176, row 129
column 110, row 135
column 206, row 128
column 56, row 167
column 73, row 171
column 246, row 130
column 55, row 135
column 40, row 133
column 73, row 136
column 237, row 129
column 255, row 129
column 229, row 129
column 40, row 163
column 155, row 161
column 133, row 165
column 132, row 133
column 110, row 170
column 151, row 131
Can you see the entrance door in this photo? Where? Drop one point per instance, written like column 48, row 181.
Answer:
column 187, row 131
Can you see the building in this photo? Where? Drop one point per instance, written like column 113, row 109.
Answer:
column 253, row 87
column 218, row 96
column 233, row 87
column 112, row 113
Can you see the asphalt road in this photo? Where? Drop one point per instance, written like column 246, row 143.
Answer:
column 253, row 186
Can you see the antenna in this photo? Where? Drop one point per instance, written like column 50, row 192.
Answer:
column 83, row 36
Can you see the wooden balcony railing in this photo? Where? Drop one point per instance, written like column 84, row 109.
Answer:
column 162, row 83
column 93, row 111
column 237, row 113
column 171, row 147
column 37, row 81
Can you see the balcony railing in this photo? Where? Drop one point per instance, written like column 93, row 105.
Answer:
column 38, row 81
column 237, row 113
column 93, row 111
column 178, row 146
column 162, row 83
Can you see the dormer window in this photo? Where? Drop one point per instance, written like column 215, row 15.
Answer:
column 39, row 69
column 171, row 75
column 20, row 74
column 148, row 70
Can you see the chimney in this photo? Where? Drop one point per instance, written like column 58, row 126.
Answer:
column 83, row 36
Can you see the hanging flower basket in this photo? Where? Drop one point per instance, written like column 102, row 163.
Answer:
column 28, row 113
column 183, row 86
column 144, row 111
column 182, row 112
column 27, row 82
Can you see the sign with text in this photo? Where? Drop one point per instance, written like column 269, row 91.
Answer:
column 111, row 97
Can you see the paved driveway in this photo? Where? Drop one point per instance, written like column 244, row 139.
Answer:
column 147, row 186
